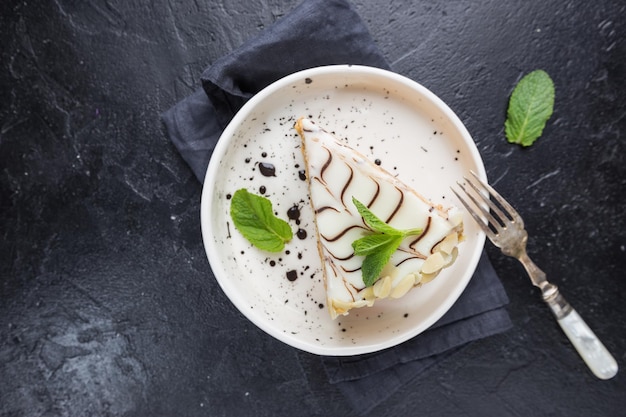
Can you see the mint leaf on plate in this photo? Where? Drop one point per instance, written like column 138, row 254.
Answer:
column 254, row 217
column 530, row 106
column 372, row 221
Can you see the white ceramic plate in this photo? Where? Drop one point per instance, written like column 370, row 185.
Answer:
column 387, row 117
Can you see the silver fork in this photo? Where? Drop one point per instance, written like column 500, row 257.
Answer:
column 505, row 229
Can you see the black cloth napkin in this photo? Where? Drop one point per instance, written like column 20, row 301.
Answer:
column 367, row 380
column 325, row 32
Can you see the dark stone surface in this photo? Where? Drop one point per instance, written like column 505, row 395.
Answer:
column 107, row 304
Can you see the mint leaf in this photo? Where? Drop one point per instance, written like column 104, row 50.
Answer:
column 374, row 262
column 254, row 218
column 371, row 243
column 530, row 106
column 372, row 221
column 378, row 246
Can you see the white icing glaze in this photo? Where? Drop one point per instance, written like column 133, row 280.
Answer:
column 337, row 173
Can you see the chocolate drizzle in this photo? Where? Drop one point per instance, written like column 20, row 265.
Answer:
column 413, row 252
column 348, row 285
column 432, row 250
column 345, row 258
column 345, row 187
column 321, row 181
column 375, row 194
column 417, row 239
column 326, row 165
column 397, row 206
column 343, row 232
column 408, row 259
column 321, row 209
column 350, row 270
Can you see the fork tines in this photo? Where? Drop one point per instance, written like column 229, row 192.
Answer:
column 498, row 216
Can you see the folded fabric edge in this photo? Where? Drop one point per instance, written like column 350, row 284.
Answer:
column 192, row 130
column 294, row 42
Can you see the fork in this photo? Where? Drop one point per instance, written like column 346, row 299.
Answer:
column 505, row 229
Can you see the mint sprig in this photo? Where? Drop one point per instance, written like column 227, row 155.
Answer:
column 530, row 106
column 254, row 218
column 378, row 246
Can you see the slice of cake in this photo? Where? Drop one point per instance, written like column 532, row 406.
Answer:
column 336, row 174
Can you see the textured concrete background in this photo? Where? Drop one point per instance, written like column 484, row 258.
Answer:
column 107, row 303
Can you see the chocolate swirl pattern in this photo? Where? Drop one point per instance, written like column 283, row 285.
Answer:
column 336, row 173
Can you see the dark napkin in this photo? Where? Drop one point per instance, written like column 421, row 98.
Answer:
column 325, row 32
column 367, row 380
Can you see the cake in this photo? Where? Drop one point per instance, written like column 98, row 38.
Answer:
column 337, row 174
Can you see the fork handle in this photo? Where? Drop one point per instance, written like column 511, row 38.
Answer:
column 593, row 352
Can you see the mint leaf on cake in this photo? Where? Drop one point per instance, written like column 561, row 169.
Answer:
column 378, row 246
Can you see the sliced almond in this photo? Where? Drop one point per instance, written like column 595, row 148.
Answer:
column 426, row 278
column 368, row 293
column 452, row 257
column 360, row 303
column 419, row 278
column 449, row 243
column 433, row 263
column 382, row 288
column 403, row 286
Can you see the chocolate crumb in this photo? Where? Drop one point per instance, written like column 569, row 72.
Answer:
column 292, row 275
